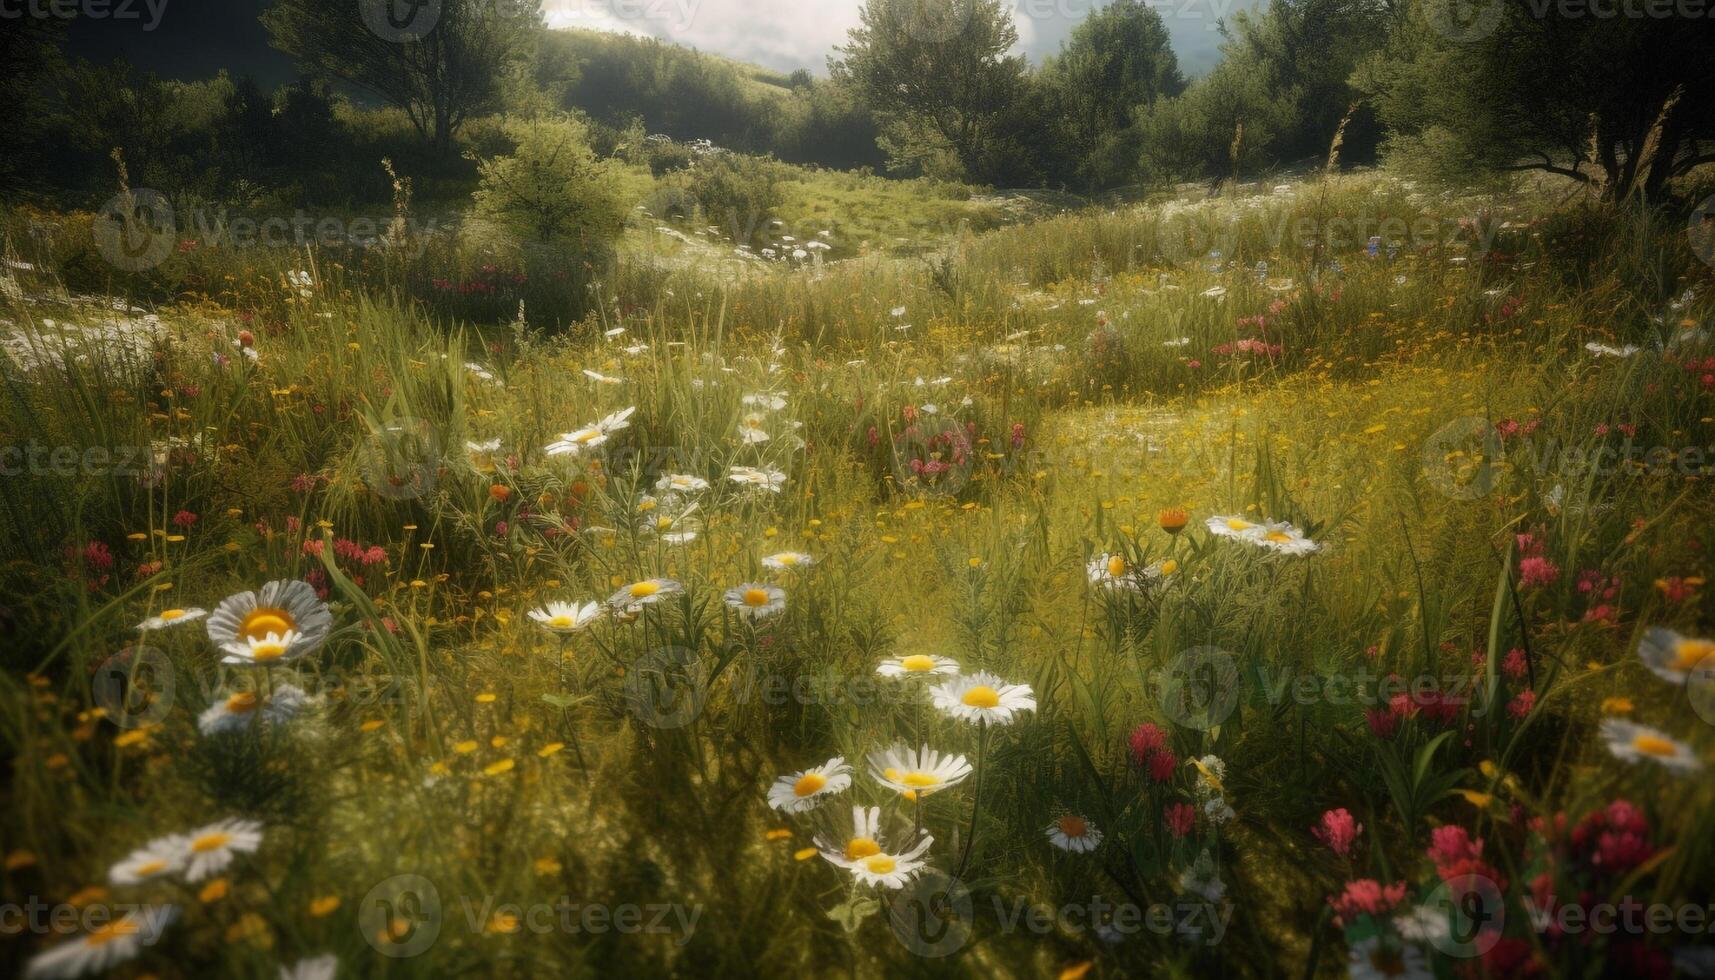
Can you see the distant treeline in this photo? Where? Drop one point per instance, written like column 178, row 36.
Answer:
column 921, row 87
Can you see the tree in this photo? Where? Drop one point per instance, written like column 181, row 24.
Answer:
column 551, row 190
column 1227, row 122
column 440, row 70
column 1116, row 61
column 1608, row 102
column 941, row 79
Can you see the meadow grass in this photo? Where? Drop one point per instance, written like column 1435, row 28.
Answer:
column 981, row 451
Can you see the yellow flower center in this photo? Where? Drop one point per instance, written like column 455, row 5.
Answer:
column 561, row 622
column 982, row 696
column 151, row 868
column 1689, row 653
column 917, row 662
column 267, row 650
column 264, row 620
column 920, row 779
column 1278, row 537
column 211, row 842
column 644, row 590
column 1169, row 566
column 1073, row 826
column 809, row 784
column 1116, row 566
column 1235, row 524
column 168, row 615
column 1651, row 745
column 786, row 559
column 880, row 864
column 755, row 597
column 859, row 848
column 586, row 435
column 242, row 702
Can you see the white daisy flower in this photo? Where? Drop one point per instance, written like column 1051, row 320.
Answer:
column 766, row 401
column 757, row 601
column 917, row 771
column 1631, row 742
column 893, row 870
column 276, row 624
column 171, row 617
column 1672, row 657
column 1114, row 572
column 917, row 665
column 1421, row 924
column 1074, row 833
column 682, row 483
column 1372, row 959
column 591, row 436
column 647, row 592
column 864, row 842
column 803, row 791
column 1285, row 539
column 983, row 697
column 750, row 429
column 788, row 560
column 213, row 847
column 566, row 617
column 159, row 858
column 311, row 968
column 104, row 947
column 750, row 476
column 240, row 711
column 1603, row 350
column 1232, row 527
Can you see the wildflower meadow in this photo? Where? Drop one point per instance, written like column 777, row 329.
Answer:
column 1303, row 573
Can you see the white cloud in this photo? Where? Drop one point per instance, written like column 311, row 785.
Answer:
column 789, row 34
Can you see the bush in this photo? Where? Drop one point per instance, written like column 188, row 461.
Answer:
column 736, row 193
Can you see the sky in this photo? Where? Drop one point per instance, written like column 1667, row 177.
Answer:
column 789, row 34
column 190, row 39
